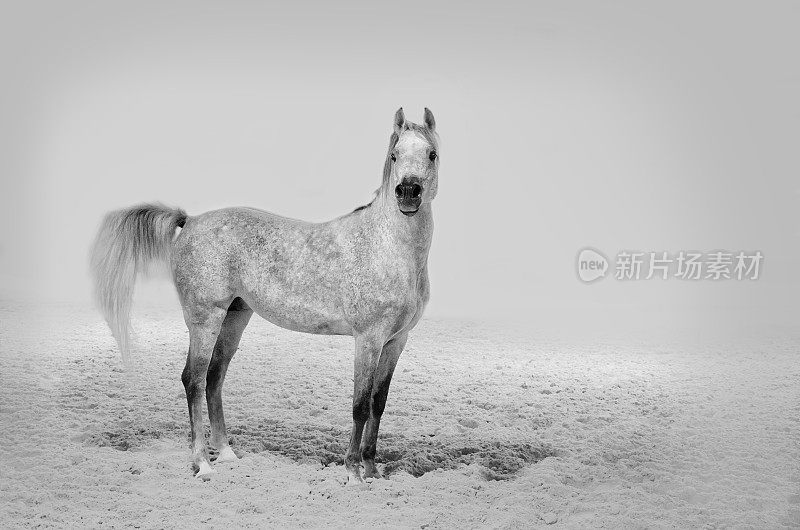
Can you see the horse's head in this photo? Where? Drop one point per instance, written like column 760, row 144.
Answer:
column 412, row 164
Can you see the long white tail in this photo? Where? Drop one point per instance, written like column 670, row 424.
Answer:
column 128, row 242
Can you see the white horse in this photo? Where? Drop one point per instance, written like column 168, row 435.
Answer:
column 363, row 274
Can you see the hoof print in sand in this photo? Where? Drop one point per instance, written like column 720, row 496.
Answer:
column 416, row 456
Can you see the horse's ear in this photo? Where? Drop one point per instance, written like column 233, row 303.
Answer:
column 428, row 119
column 399, row 120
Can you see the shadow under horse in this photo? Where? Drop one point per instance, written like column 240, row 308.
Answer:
column 363, row 274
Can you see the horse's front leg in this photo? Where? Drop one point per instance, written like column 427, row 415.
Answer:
column 368, row 350
column 380, row 390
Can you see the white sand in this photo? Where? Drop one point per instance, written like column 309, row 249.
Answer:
column 583, row 433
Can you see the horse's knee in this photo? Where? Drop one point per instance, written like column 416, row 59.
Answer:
column 186, row 377
column 193, row 381
column 194, row 391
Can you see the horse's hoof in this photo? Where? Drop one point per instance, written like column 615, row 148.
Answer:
column 204, row 469
column 226, row 454
column 354, row 478
column 371, row 472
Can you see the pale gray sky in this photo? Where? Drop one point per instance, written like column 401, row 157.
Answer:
column 621, row 125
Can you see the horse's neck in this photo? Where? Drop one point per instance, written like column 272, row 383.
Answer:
column 413, row 233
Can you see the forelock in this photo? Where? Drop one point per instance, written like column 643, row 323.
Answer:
column 423, row 131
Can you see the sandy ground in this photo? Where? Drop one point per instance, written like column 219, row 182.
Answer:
column 485, row 426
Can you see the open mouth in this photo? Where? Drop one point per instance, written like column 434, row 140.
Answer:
column 409, row 213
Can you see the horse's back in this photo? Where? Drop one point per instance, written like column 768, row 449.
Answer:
column 243, row 221
column 285, row 269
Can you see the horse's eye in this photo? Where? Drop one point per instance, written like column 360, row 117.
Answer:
column 432, row 156
column 394, row 158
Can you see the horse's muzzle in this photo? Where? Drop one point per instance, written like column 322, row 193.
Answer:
column 409, row 196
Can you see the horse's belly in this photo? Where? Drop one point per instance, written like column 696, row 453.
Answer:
column 316, row 317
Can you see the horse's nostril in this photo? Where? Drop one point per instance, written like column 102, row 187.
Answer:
column 406, row 191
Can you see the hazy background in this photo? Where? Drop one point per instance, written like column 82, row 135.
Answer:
column 564, row 124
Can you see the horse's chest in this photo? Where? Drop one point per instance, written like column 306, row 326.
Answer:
column 395, row 295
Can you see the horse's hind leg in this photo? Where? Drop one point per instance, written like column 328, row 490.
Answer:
column 228, row 341
column 204, row 328
column 380, row 390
